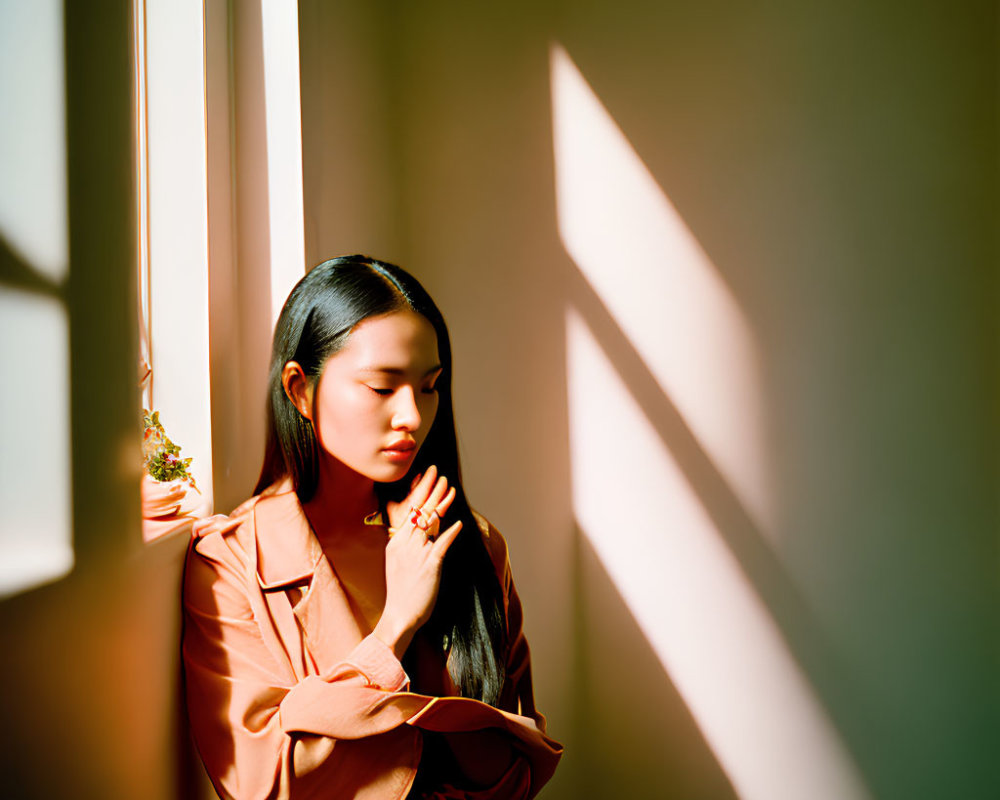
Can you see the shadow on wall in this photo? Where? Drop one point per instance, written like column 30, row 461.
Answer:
column 91, row 670
column 89, row 664
column 657, row 343
column 643, row 730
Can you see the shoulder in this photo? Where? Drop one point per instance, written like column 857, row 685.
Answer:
column 224, row 537
column 268, row 539
column 232, row 533
column 220, row 559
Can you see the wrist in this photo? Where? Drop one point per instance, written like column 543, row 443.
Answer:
column 393, row 635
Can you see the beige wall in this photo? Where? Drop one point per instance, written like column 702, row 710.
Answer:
column 832, row 163
column 88, row 664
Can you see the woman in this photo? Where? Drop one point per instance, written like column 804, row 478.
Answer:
column 352, row 631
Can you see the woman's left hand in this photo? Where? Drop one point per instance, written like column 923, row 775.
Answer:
column 413, row 560
column 398, row 512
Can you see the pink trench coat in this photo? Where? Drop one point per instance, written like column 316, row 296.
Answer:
column 290, row 696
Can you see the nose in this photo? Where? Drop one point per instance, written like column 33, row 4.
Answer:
column 405, row 414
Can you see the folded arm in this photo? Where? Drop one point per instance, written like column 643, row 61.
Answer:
column 259, row 728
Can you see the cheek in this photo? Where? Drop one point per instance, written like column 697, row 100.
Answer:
column 344, row 414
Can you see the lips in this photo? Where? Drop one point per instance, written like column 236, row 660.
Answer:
column 400, row 452
column 402, row 446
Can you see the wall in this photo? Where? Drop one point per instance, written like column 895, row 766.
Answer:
column 88, row 666
column 836, row 164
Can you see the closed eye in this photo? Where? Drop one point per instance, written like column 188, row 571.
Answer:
column 379, row 391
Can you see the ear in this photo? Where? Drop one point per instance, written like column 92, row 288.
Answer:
column 298, row 388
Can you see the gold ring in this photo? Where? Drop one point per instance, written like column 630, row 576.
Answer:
column 418, row 519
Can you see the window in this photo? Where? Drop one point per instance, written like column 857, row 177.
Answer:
column 172, row 254
column 36, row 542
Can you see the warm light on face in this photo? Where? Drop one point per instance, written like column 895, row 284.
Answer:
column 376, row 398
column 653, row 531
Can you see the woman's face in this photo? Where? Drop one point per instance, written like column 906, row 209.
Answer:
column 376, row 397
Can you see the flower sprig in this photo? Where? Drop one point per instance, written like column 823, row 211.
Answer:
column 160, row 456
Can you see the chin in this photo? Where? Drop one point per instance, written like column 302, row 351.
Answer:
column 389, row 474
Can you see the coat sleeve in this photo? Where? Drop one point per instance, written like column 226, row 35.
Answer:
column 258, row 728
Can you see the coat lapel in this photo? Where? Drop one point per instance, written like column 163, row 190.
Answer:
column 289, row 557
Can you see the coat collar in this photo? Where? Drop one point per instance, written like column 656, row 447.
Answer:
column 288, row 551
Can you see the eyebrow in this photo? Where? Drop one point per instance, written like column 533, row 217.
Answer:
column 396, row 370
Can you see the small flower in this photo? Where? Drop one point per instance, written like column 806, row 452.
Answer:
column 160, row 455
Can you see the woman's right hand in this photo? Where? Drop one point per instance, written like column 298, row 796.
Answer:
column 413, row 559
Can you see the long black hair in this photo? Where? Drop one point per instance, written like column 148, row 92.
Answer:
column 467, row 625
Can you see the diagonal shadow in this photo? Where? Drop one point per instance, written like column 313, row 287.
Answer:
column 18, row 274
column 664, row 738
column 784, row 601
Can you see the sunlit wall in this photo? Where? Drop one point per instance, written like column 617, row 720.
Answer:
column 785, row 338
column 35, row 493
column 90, row 662
column 668, row 308
column 820, row 179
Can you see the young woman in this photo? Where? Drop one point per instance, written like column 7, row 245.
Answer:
column 352, row 631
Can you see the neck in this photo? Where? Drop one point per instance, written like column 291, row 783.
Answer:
column 342, row 500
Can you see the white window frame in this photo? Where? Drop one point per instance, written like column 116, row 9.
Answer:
column 173, row 229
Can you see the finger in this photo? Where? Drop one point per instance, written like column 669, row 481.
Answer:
column 419, row 518
column 400, row 536
column 412, row 522
column 436, row 505
column 437, row 494
column 434, row 513
column 423, row 488
column 403, row 537
column 416, row 480
column 445, row 504
column 443, row 542
column 419, row 525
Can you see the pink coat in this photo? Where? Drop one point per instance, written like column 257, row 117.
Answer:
column 290, row 696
